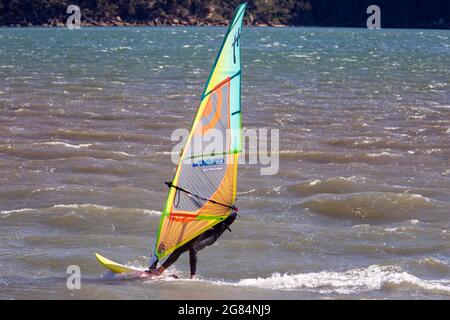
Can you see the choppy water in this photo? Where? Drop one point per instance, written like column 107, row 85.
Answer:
column 360, row 207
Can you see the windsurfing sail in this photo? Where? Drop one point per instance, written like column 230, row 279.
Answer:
column 203, row 190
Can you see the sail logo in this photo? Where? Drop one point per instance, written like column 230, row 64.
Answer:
column 235, row 43
column 209, row 162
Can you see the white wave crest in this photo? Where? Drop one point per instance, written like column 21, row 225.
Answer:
column 88, row 205
column 8, row 212
column 122, row 153
column 152, row 212
column 67, row 145
column 381, row 154
column 78, row 206
column 352, row 281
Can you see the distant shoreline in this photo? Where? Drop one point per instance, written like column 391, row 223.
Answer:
column 55, row 23
column 192, row 22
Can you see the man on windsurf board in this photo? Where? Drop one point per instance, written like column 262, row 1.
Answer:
column 203, row 240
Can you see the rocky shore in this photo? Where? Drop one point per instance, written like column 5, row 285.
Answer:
column 163, row 21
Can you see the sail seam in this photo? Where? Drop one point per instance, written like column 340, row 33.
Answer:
column 221, row 83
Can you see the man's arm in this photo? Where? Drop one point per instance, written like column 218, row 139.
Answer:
column 225, row 224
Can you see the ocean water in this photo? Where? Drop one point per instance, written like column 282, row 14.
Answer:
column 360, row 206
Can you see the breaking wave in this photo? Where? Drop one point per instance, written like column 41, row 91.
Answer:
column 64, row 144
column 86, row 206
column 336, row 185
column 372, row 205
column 347, row 282
column 57, row 150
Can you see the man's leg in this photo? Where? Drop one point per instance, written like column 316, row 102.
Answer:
column 171, row 259
column 193, row 261
column 206, row 239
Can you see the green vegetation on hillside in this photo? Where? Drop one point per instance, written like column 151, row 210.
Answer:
column 345, row 13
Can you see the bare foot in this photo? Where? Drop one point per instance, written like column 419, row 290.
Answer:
column 154, row 273
column 150, row 273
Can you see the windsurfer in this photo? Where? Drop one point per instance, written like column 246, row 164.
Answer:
column 203, row 240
